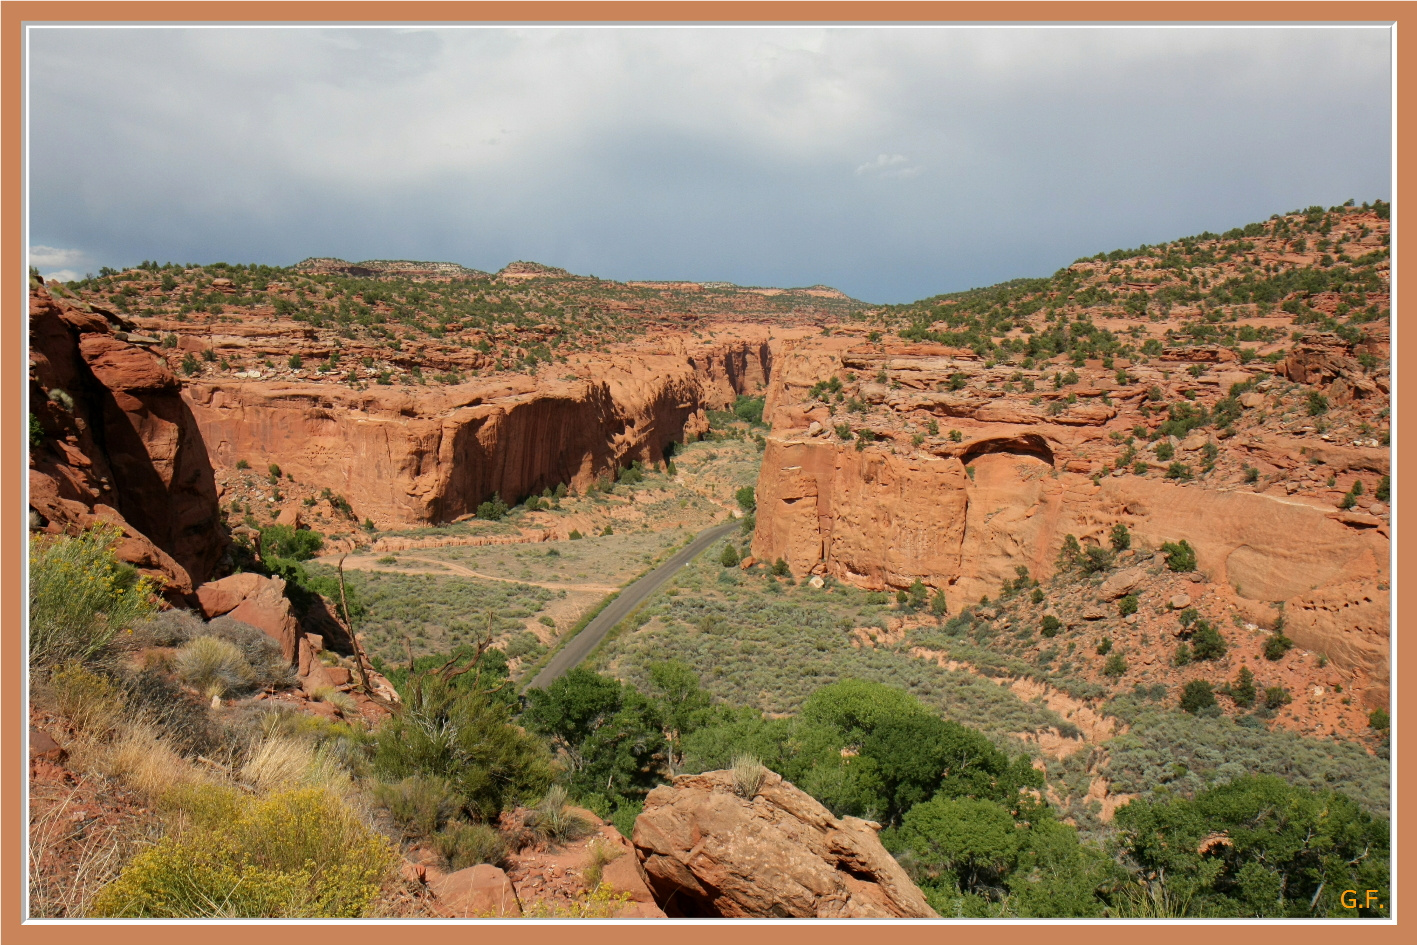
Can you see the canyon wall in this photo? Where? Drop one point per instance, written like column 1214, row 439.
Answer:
column 903, row 497
column 431, row 454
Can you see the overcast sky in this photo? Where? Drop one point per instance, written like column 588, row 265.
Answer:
column 891, row 163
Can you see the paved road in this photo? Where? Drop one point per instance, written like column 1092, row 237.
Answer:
column 630, row 598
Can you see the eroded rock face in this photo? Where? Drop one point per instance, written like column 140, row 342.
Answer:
column 431, row 455
column 709, row 852
column 120, row 446
column 956, row 472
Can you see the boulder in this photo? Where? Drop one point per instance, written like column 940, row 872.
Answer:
column 1180, row 601
column 1195, row 441
column 268, row 609
column 222, row 597
column 291, row 515
column 710, row 852
column 481, row 891
column 1122, row 583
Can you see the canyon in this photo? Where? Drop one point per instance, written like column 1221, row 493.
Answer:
column 1049, row 484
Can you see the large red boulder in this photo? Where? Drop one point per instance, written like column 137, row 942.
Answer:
column 708, row 851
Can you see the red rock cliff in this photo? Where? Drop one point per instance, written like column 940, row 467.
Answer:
column 119, row 444
column 419, row 455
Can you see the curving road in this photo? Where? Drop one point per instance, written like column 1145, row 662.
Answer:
column 631, row 597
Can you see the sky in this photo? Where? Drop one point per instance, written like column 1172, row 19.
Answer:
column 891, row 163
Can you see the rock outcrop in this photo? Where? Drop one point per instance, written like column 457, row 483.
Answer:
column 710, row 852
column 481, row 891
column 117, row 443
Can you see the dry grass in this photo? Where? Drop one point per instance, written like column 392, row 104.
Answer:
column 748, row 775
column 552, row 822
column 91, row 702
column 213, row 667
column 599, row 854
column 139, row 757
column 70, row 862
column 281, row 762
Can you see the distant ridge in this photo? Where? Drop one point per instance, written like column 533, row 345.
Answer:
column 384, row 267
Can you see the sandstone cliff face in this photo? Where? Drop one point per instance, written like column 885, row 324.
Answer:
column 431, row 455
column 710, row 852
column 120, row 445
column 956, row 473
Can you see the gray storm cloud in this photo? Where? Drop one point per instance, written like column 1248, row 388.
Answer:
column 891, row 163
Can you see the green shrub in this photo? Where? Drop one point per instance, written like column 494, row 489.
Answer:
column 1127, row 605
column 1104, row 646
column 1180, row 556
column 1096, row 560
column 1206, row 641
column 747, row 498
column 1260, row 847
column 418, row 805
column 1051, row 625
column 939, row 604
column 1276, row 645
column 286, row 541
column 1198, row 695
column 1182, row 656
column 1318, row 404
column 464, row 845
column 729, row 557
column 81, row 596
column 1379, row 719
column 1121, row 538
column 1116, row 665
column 1178, row 470
column 1276, row 697
column 297, row 854
column 464, row 737
column 1165, row 452
column 493, row 510
column 1242, row 691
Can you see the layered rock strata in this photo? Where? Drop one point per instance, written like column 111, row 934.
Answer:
column 412, row 456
